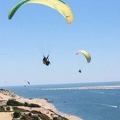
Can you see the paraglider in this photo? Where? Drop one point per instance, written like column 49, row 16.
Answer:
column 86, row 54
column 46, row 60
column 27, row 83
column 79, row 71
column 58, row 5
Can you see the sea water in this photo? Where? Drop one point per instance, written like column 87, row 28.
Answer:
column 88, row 104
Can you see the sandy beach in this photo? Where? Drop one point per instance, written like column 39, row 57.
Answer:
column 45, row 107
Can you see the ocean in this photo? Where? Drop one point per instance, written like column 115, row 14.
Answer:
column 88, row 104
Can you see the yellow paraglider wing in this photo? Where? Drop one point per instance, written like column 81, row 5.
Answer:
column 58, row 5
column 86, row 54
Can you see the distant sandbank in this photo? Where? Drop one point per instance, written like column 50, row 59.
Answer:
column 86, row 88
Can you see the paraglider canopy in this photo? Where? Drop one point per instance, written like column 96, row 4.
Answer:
column 58, row 5
column 86, row 54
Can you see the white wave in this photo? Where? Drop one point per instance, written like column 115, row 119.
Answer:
column 107, row 105
column 114, row 106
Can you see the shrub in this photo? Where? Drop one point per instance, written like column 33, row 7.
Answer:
column 2, row 109
column 26, row 117
column 26, row 104
column 19, row 109
column 41, row 115
column 33, row 105
column 8, row 108
column 16, row 114
column 14, row 103
column 55, row 118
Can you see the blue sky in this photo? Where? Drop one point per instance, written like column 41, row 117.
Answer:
column 37, row 29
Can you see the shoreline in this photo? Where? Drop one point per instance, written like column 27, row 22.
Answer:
column 45, row 108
